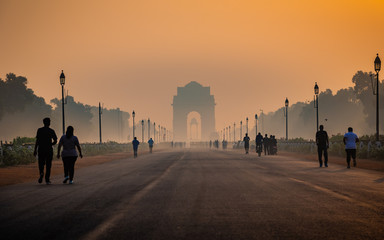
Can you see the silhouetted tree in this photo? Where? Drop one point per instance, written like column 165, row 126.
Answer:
column 14, row 94
column 364, row 93
column 77, row 115
column 21, row 111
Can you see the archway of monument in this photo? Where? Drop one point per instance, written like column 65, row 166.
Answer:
column 194, row 126
column 193, row 97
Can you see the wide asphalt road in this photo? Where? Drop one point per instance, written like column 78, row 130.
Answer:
column 199, row 194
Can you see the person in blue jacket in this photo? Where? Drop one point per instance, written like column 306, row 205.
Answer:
column 150, row 144
column 135, row 144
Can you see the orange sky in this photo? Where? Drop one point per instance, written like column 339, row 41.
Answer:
column 134, row 54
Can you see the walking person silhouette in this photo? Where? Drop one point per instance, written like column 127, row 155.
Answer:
column 150, row 144
column 69, row 154
column 246, row 143
column 350, row 139
column 322, row 142
column 45, row 139
column 135, row 144
column 266, row 144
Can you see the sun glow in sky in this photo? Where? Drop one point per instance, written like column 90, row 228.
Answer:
column 134, row 54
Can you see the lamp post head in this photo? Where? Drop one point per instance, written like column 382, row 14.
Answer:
column 286, row 102
column 149, row 120
column 62, row 78
column 316, row 88
column 377, row 63
column 133, row 114
column 241, row 122
column 256, row 116
column 247, row 119
column 142, row 122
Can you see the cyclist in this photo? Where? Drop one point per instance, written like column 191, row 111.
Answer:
column 259, row 143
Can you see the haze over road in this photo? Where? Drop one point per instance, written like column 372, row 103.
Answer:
column 199, row 194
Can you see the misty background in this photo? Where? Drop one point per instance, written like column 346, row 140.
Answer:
column 22, row 111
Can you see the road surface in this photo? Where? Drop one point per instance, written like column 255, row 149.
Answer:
column 199, row 194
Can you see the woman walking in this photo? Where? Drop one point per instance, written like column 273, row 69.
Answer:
column 69, row 154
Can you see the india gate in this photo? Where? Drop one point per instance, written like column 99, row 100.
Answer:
column 193, row 97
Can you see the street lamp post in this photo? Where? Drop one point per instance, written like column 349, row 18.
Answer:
column 262, row 120
column 286, row 118
column 100, row 112
column 234, row 132
column 241, row 129
column 154, row 131
column 221, row 134
column 247, row 124
column 377, row 70
column 162, row 133
column 133, row 124
column 142, row 130
column 229, row 133
column 256, row 123
column 149, row 129
column 316, row 88
column 159, row 134
column 62, row 83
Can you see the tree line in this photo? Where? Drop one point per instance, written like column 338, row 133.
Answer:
column 21, row 113
column 349, row 107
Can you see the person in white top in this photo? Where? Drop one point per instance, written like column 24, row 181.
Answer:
column 69, row 154
column 350, row 139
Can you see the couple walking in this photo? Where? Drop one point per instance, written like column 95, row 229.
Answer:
column 45, row 140
column 350, row 139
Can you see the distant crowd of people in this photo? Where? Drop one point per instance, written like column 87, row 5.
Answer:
column 269, row 144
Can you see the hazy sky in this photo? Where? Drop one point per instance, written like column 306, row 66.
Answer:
column 134, row 54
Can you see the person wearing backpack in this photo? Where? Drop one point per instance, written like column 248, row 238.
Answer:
column 322, row 142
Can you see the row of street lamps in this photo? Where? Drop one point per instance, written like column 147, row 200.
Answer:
column 163, row 132
column 377, row 66
column 227, row 130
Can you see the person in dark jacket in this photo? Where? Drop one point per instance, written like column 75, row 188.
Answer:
column 259, row 143
column 322, row 142
column 135, row 144
column 266, row 144
column 246, row 143
column 150, row 144
column 45, row 139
